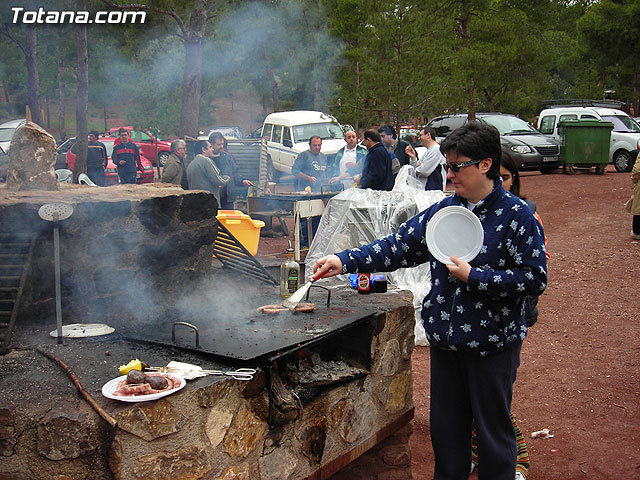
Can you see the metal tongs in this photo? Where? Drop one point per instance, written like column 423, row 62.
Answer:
column 189, row 371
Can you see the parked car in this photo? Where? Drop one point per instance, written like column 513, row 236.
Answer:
column 7, row 130
column 61, row 152
column 147, row 143
column 625, row 137
column 287, row 134
column 227, row 131
column 530, row 149
column 4, row 164
column 111, row 173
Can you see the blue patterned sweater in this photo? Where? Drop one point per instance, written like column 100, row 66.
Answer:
column 486, row 314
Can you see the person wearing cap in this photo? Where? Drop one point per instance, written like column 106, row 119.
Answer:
column 473, row 314
column 96, row 159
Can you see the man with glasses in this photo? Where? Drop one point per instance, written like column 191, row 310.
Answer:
column 474, row 313
column 430, row 168
column 174, row 170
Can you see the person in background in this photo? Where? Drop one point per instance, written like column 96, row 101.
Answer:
column 227, row 166
column 430, row 168
column 310, row 167
column 174, row 170
column 397, row 148
column 348, row 160
column 473, row 314
column 96, row 159
column 202, row 173
column 126, row 158
column 633, row 204
column 376, row 170
column 310, row 170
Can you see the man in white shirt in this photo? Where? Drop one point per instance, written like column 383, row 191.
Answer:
column 348, row 161
column 430, row 168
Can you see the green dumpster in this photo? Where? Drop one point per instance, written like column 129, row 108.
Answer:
column 585, row 144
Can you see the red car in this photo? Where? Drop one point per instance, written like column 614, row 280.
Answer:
column 111, row 173
column 146, row 142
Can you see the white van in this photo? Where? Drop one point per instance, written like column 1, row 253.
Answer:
column 287, row 134
column 625, row 137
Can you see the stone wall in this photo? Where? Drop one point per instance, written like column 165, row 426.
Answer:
column 123, row 251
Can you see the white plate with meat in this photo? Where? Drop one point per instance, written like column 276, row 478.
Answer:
column 119, row 389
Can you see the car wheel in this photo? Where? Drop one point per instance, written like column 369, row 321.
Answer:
column 622, row 161
column 162, row 158
column 600, row 169
column 273, row 175
column 569, row 170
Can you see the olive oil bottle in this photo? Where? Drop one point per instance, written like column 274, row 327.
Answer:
column 289, row 275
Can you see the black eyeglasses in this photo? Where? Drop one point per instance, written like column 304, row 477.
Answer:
column 457, row 166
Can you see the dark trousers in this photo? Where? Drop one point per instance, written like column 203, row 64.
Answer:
column 304, row 237
column 127, row 176
column 96, row 175
column 466, row 388
column 635, row 225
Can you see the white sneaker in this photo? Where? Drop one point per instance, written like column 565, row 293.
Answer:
column 520, row 476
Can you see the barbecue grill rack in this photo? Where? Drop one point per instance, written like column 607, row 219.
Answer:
column 234, row 256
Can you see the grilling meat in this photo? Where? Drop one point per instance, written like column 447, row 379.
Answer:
column 152, row 383
column 279, row 308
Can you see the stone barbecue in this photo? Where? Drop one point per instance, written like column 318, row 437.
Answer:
column 138, row 258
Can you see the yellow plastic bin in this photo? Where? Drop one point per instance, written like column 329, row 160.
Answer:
column 243, row 227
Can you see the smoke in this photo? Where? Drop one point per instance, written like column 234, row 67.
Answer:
column 247, row 49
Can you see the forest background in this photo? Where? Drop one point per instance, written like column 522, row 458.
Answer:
column 364, row 61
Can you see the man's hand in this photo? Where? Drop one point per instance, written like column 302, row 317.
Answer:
column 122, row 162
column 330, row 263
column 410, row 151
column 248, row 183
column 460, row 270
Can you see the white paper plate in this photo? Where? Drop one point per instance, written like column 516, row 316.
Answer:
column 454, row 231
column 79, row 330
column 112, row 385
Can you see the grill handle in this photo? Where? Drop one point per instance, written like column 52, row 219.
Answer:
column 193, row 327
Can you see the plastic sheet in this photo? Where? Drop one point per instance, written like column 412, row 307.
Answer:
column 356, row 217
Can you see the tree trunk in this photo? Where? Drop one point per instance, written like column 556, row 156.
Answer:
column 83, row 95
column 6, row 94
column 272, row 79
column 61, row 100
column 192, row 78
column 33, row 82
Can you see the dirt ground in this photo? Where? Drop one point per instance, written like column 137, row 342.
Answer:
column 579, row 373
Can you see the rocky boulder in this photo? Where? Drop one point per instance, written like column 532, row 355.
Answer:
column 31, row 159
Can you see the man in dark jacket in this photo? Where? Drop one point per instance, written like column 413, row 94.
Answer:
column 96, row 159
column 126, row 158
column 376, row 172
column 395, row 146
column 227, row 166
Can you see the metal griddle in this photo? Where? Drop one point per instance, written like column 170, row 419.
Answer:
column 251, row 338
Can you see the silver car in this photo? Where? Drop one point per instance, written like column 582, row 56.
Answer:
column 7, row 130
